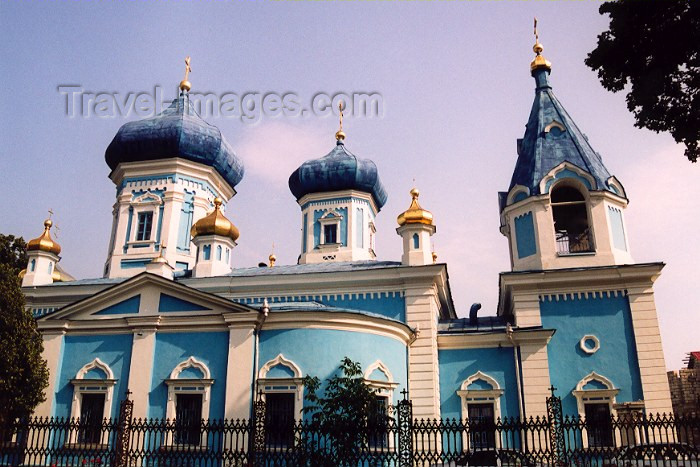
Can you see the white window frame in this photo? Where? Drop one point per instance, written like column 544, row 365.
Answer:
column 596, row 396
column 283, row 385
column 480, row 396
column 291, row 385
column 330, row 217
column 383, row 389
column 82, row 385
column 147, row 202
column 177, row 385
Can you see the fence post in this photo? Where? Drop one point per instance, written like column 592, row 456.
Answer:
column 556, row 429
column 258, row 432
column 126, row 409
column 405, row 425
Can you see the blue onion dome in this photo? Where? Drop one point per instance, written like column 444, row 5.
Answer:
column 177, row 131
column 338, row 170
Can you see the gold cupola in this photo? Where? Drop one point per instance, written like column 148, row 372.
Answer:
column 539, row 62
column 415, row 214
column 44, row 242
column 215, row 223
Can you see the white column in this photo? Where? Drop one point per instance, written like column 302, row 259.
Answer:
column 53, row 342
column 534, row 363
column 423, row 368
column 141, row 366
column 650, row 354
column 239, row 371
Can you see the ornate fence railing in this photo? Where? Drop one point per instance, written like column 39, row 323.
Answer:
column 399, row 441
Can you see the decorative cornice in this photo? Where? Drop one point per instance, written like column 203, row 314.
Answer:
column 493, row 339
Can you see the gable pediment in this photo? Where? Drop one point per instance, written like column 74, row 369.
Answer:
column 148, row 295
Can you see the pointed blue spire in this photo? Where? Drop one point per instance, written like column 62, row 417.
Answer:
column 552, row 137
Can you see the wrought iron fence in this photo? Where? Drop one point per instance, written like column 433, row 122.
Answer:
column 401, row 441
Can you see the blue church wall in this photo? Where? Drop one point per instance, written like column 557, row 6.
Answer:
column 609, row 319
column 525, row 235
column 318, row 352
column 77, row 351
column 317, row 228
column 391, row 305
column 171, row 349
column 343, row 226
column 456, row 365
column 128, row 306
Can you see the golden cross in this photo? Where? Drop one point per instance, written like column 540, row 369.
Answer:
column 50, row 212
column 537, row 37
column 340, row 108
column 188, row 68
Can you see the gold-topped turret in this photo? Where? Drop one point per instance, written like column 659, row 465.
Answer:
column 415, row 214
column 185, row 85
column 340, row 134
column 44, row 242
column 215, row 223
column 539, row 61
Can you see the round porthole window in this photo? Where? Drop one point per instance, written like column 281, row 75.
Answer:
column 589, row 344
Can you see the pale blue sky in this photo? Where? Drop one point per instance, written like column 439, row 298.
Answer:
column 457, row 93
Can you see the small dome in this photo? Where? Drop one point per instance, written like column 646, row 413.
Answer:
column 338, row 170
column 415, row 214
column 44, row 242
column 176, row 132
column 215, row 223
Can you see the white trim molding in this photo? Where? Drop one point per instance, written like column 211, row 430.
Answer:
column 515, row 191
column 191, row 363
column 586, row 348
column 279, row 360
column 551, row 176
column 379, row 365
column 96, row 363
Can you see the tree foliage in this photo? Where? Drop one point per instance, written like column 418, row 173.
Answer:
column 347, row 413
column 23, row 372
column 652, row 50
column 13, row 252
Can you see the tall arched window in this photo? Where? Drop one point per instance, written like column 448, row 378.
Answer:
column 571, row 225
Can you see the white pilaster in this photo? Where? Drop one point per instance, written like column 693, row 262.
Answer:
column 141, row 365
column 423, row 368
column 239, row 372
column 650, row 354
column 53, row 342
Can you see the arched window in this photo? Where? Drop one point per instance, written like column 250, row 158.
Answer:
column 595, row 398
column 218, row 252
column 32, row 265
column 189, row 394
column 416, row 241
column 93, row 386
column 481, row 407
column 279, row 382
column 570, row 214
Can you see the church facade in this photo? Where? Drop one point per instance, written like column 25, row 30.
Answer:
column 191, row 336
